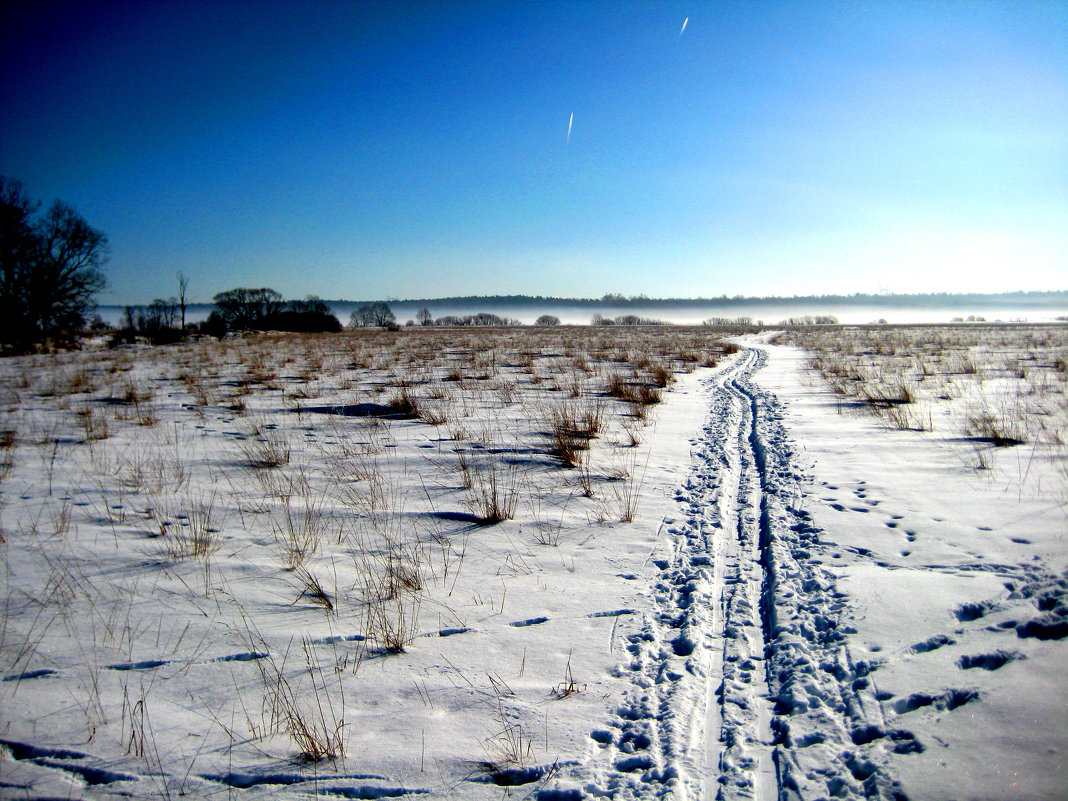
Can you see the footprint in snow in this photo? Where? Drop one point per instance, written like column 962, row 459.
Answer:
column 945, row 701
column 246, row 656
column 451, row 632
column 993, row 661
column 904, row 742
column 602, row 737
column 29, row 674
column 931, row 644
column 966, row 613
column 533, row 621
column 633, row 764
column 147, row 664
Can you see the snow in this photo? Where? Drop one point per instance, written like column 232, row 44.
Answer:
column 916, row 537
column 805, row 602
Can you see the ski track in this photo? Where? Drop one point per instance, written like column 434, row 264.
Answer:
column 743, row 684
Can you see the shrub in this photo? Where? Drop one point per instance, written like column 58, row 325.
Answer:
column 214, row 326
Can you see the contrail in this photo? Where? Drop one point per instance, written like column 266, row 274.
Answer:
column 683, row 28
column 569, row 124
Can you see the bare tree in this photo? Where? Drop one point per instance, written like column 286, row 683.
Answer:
column 373, row 315
column 312, row 304
column 248, row 308
column 17, row 246
column 424, row 317
column 183, row 285
column 50, row 267
column 162, row 313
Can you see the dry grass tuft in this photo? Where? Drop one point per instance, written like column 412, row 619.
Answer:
column 192, row 532
column 494, row 492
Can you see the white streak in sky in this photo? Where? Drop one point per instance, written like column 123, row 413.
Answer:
column 569, row 124
column 683, row 28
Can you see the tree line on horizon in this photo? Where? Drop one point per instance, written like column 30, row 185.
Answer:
column 265, row 309
column 51, row 270
column 611, row 300
column 618, row 300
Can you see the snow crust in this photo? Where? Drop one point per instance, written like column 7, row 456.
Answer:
column 805, row 603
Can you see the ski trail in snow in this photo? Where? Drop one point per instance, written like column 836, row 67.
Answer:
column 743, row 752
column 806, row 723
column 743, row 686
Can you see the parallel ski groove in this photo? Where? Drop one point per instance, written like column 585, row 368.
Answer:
column 746, row 764
column 741, row 682
column 819, row 693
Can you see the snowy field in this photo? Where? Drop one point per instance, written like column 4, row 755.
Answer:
column 539, row 563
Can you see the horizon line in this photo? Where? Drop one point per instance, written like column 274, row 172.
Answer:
column 617, row 299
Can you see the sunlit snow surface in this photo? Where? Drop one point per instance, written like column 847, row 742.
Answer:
column 219, row 556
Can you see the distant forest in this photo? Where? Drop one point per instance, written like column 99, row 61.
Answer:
column 518, row 304
column 615, row 301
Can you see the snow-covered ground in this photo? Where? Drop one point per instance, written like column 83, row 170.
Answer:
column 473, row 565
column 955, row 579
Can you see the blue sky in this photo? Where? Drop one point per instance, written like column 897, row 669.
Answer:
column 375, row 150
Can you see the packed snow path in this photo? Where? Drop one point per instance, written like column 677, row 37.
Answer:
column 744, row 687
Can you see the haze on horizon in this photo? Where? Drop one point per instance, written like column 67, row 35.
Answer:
column 418, row 150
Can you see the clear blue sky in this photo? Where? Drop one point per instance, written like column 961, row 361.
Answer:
column 371, row 150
